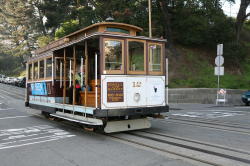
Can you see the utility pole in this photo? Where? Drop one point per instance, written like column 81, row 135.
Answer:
column 149, row 18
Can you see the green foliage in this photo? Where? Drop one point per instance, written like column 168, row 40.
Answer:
column 67, row 28
column 247, row 25
column 44, row 40
column 197, row 73
column 203, row 26
column 10, row 65
column 234, row 54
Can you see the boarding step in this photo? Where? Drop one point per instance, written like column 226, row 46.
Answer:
column 78, row 119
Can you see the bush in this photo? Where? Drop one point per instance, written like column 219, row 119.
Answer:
column 234, row 54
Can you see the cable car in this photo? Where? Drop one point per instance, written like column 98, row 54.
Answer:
column 104, row 76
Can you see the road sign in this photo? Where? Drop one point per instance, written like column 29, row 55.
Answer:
column 219, row 60
column 219, row 71
column 220, row 49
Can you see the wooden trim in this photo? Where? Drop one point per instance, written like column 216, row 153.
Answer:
column 32, row 72
column 51, row 66
column 136, row 72
column 162, row 59
column 101, row 55
column 113, row 71
column 125, row 57
column 29, row 75
column 147, row 60
column 45, row 68
column 40, row 80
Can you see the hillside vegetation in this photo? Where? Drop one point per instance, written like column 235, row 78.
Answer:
column 195, row 67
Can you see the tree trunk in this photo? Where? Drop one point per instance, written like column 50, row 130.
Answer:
column 241, row 17
column 167, row 25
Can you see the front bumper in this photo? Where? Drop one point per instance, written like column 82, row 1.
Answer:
column 143, row 111
column 245, row 100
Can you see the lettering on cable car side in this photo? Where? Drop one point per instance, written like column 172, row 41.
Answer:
column 137, row 84
column 115, row 92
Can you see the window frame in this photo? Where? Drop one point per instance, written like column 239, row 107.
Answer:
column 30, row 69
column 104, row 60
column 45, row 66
column 145, row 57
column 162, row 58
column 39, row 64
column 34, row 73
column 106, row 30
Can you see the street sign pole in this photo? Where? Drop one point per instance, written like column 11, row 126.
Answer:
column 219, row 70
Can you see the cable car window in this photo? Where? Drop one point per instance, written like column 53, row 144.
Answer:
column 113, row 53
column 36, row 70
column 155, row 58
column 30, row 72
column 136, row 60
column 41, row 70
column 59, row 61
column 119, row 30
column 49, row 67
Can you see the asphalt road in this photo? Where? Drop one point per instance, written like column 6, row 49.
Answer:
column 28, row 139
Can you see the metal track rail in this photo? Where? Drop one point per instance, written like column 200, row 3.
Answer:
column 247, row 161
column 209, row 125
column 212, row 122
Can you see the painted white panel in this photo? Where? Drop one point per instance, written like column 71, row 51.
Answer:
column 155, row 90
column 136, row 91
column 139, row 91
column 105, row 80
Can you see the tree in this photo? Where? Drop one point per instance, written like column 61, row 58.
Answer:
column 16, row 28
column 241, row 17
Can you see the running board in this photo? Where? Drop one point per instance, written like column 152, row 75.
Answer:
column 127, row 125
column 78, row 119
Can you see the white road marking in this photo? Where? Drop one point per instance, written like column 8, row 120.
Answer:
column 244, row 107
column 53, row 139
column 210, row 114
column 14, row 117
column 13, row 138
column 6, row 109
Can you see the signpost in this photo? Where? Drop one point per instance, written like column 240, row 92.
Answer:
column 219, row 69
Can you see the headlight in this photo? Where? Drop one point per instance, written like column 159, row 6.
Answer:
column 243, row 96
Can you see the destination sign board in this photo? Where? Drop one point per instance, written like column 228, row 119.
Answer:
column 115, row 92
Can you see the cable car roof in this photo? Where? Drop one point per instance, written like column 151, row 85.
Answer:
column 97, row 29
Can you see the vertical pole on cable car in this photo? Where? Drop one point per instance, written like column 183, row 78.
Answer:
column 64, row 77
column 60, row 74
column 52, row 70
column 74, row 81
column 81, row 71
column 70, row 74
column 86, row 74
column 32, row 71
column 95, row 80
column 167, row 80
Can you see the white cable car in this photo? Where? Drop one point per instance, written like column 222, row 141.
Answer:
column 103, row 76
